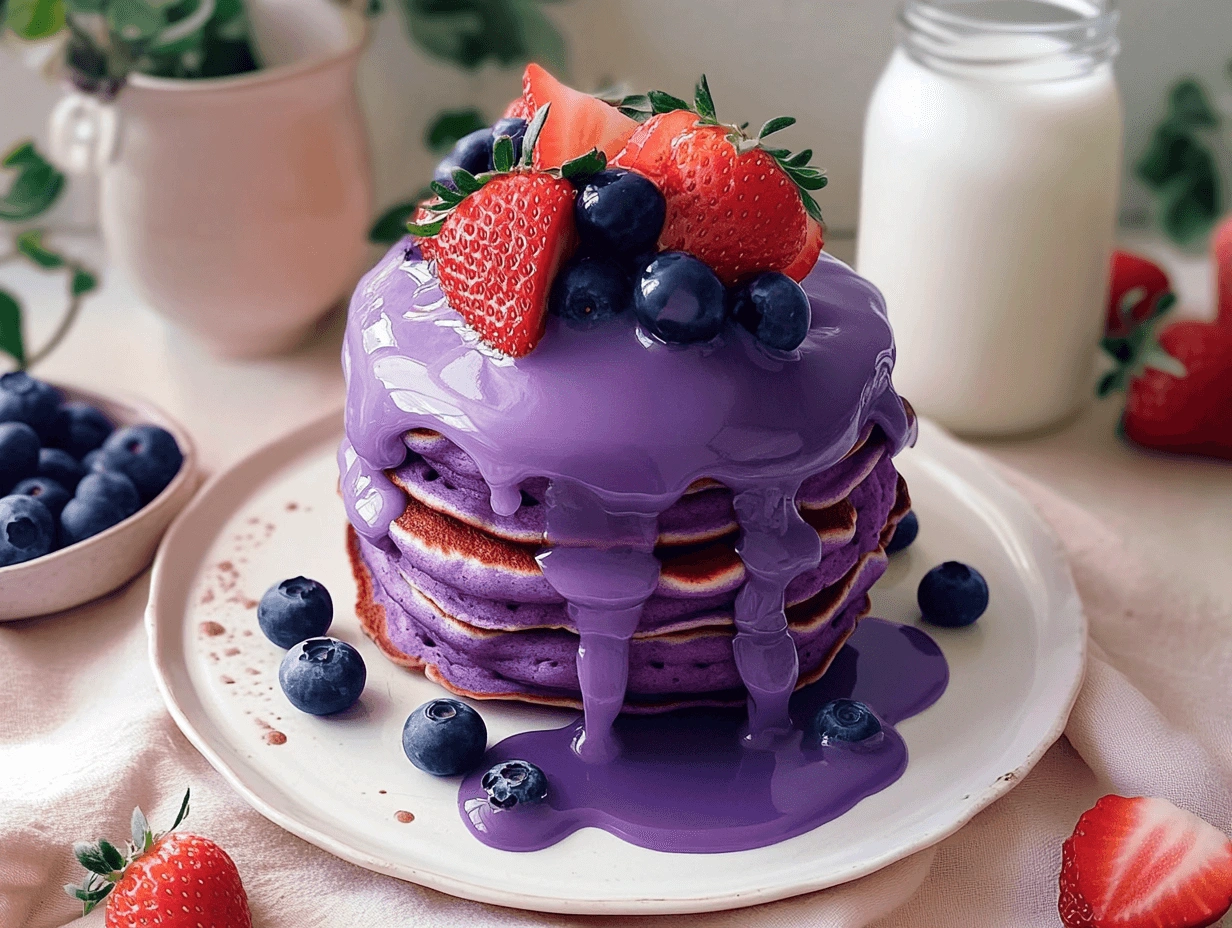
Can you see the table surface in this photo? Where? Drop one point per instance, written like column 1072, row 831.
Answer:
column 1176, row 512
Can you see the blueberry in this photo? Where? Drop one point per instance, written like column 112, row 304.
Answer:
column 293, row 610
column 79, row 428
column 590, row 291
column 774, row 308
column 845, row 720
column 444, row 737
column 46, row 491
column 146, row 454
column 24, row 399
column 513, row 127
column 27, row 530
column 19, row 454
column 619, row 211
column 904, row 533
column 952, row 594
column 677, row 298
column 472, row 152
column 60, row 466
column 101, row 501
column 322, row 676
column 515, row 782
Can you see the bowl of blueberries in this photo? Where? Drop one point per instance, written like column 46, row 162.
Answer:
column 88, row 485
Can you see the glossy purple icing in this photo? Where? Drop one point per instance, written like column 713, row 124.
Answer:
column 621, row 426
column 684, row 781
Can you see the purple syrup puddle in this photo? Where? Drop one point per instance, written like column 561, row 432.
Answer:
column 684, row 782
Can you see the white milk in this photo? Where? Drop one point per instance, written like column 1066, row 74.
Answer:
column 988, row 203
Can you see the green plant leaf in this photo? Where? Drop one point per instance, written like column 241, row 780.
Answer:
column 140, row 828
column 502, row 154
column 183, row 813
column 33, row 19
column 1188, row 103
column 800, row 159
column 585, row 165
column 661, row 102
column 11, row 341
column 425, row 229
column 450, row 196
column 91, row 857
column 450, row 125
column 467, row 33
column 531, row 138
column 703, row 102
column 541, row 40
column 391, row 225
column 810, row 205
column 30, row 244
column 83, row 281
column 465, row 181
column 111, row 854
column 36, row 187
column 133, row 21
column 777, row 124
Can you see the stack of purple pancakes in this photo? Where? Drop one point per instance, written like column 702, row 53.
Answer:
column 455, row 589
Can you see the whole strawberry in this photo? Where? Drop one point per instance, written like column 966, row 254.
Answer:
column 1221, row 252
column 1144, row 863
column 174, row 880
column 1138, row 291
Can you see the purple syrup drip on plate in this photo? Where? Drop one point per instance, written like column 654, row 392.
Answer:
column 683, row 781
column 626, row 425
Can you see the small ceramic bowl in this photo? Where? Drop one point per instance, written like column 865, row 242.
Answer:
column 99, row 564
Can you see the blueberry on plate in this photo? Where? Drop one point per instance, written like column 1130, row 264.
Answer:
column 19, row 454
column 103, row 499
column 952, row 595
column 774, row 308
column 322, row 676
column 24, row 399
column 590, row 291
column 79, row 428
column 515, row 128
column 293, row 610
column 678, row 299
column 904, row 533
column 27, row 530
column 848, row 721
column 619, row 211
column 514, row 783
column 46, row 491
column 472, row 152
column 145, row 454
column 444, row 737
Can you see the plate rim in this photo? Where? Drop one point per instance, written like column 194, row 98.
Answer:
column 284, row 450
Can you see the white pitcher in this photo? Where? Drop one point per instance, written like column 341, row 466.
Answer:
column 237, row 206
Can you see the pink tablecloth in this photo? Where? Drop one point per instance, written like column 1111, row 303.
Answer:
column 84, row 737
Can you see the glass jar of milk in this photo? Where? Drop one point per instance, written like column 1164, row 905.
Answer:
column 992, row 153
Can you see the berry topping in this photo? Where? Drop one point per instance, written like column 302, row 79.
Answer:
column 19, row 454
column 27, row 529
column 515, row 128
column 102, row 500
column 619, row 212
column 580, row 122
column 649, row 149
column 678, row 299
column 61, row 467
column 136, row 881
column 590, row 291
column 774, row 308
column 518, row 108
column 146, row 454
column 952, row 595
column 1144, row 863
column 46, row 491
column 293, row 610
column 24, row 399
column 472, row 153
column 804, row 262
column 845, row 721
column 513, row 783
column 444, row 737
column 904, row 533
column 79, row 428
column 322, row 676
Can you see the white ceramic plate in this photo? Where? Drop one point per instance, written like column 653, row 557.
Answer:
column 342, row 782
column 106, row 561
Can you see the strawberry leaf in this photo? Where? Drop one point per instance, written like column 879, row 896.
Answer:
column 183, row 813
column 810, row 206
column 111, row 855
column 532, row 134
column 448, row 194
column 776, row 124
column 143, row 837
column 636, row 106
column 799, row 159
column 425, row 229
column 703, row 102
column 661, row 102
column 585, row 165
column 502, row 154
column 91, row 857
column 465, row 181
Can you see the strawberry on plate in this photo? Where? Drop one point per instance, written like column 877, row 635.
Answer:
column 649, row 148
column 579, row 123
column 1144, row 863
column 1138, row 291
column 173, row 879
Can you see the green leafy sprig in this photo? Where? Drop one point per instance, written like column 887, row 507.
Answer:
column 106, row 863
column 795, row 165
column 447, row 198
column 1140, row 348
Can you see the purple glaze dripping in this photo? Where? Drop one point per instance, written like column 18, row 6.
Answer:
column 684, row 782
column 622, row 427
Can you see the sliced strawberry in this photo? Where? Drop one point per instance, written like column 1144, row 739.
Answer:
column 650, row 146
column 1135, row 289
column 427, row 246
column 518, row 108
column 740, row 213
column 1144, row 863
column 498, row 253
column 1221, row 251
column 579, row 121
column 814, row 241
